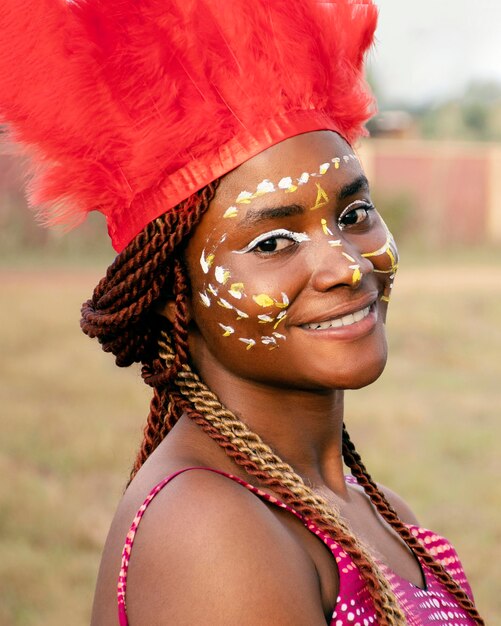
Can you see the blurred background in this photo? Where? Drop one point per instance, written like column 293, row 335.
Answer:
column 71, row 420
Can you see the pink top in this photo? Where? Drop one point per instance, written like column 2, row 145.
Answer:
column 433, row 606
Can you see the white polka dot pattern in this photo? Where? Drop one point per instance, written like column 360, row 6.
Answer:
column 432, row 606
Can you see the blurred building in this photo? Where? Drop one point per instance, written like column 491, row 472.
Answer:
column 452, row 189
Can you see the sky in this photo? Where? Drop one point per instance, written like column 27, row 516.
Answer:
column 430, row 49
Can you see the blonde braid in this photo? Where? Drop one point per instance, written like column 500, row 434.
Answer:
column 257, row 451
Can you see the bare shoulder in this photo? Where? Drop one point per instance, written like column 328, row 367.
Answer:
column 401, row 507
column 209, row 551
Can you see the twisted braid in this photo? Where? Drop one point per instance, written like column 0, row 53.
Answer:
column 121, row 313
column 354, row 461
column 249, row 451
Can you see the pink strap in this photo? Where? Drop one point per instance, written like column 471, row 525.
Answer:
column 122, row 579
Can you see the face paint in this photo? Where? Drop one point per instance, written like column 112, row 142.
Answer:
column 263, row 300
column 204, row 298
column 286, row 184
column 206, row 262
column 236, row 290
column 266, row 186
column 232, row 211
column 322, row 198
column 228, row 330
column 269, row 341
column 347, row 256
column 280, row 318
column 390, row 264
column 279, row 233
column 289, row 185
column 249, row 342
column 327, row 231
column 222, row 275
column 265, row 319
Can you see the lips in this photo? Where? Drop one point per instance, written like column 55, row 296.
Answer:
column 343, row 315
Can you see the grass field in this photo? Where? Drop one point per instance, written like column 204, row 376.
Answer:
column 71, row 421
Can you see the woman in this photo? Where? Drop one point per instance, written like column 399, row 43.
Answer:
column 252, row 283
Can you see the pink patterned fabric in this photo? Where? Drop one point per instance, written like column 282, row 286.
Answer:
column 432, row 606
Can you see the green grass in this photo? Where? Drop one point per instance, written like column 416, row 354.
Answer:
column 71, row 421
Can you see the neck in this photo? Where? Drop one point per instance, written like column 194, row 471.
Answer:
column 304, row 427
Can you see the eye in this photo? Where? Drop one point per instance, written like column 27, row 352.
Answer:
column 355, row 213
column 273, row 242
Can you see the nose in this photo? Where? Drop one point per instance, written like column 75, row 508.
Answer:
column 336, row 263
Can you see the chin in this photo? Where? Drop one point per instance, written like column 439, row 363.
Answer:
column 351, row 373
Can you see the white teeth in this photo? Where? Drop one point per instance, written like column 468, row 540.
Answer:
column 359, row 315
column 346, row 320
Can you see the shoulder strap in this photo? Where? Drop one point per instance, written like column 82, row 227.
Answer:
column 122, row 578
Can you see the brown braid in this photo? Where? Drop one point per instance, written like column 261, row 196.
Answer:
column 128, row 325
column 354, row 461
column 121, row 314
column 249, row 451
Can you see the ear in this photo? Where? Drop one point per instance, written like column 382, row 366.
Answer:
column 167, row 309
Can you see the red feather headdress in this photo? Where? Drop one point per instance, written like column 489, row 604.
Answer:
column 128, row 107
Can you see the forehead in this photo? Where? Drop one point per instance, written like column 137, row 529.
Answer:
column 288, row 159
column 291, row 157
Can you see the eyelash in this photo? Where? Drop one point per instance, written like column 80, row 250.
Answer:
column 358, row 204
column 274, row 234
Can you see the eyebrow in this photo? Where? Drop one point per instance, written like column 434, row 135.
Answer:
column 255, row 216
column 258, row 215
column 359, row 184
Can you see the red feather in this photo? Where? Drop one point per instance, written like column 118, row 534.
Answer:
column 129, row 107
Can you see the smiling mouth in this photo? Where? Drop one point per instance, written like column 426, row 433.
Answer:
column 338, row 322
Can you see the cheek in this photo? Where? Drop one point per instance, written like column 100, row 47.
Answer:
column 238, row 305
column 384, row 257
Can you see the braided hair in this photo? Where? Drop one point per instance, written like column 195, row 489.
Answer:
column 122, row 315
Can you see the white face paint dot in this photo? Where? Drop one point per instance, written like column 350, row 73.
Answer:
column 222, row 275
column 244, row 197
column 285, row 183
column 266, row 186
column 204, row 298
column 232, row 211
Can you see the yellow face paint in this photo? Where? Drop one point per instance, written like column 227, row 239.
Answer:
column 326, row 230
column 236, row 290
column 249, row 342
column 285, row 302
column 222, row 275
column 206, row 262
column 263, row 300
column 280, row 318
column 357, row 274
column 228, row 330
column 321, row 200
column 389, row 249
column 232, row 211
column 224, row 303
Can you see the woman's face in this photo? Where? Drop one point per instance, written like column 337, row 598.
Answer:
column 291, row 270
